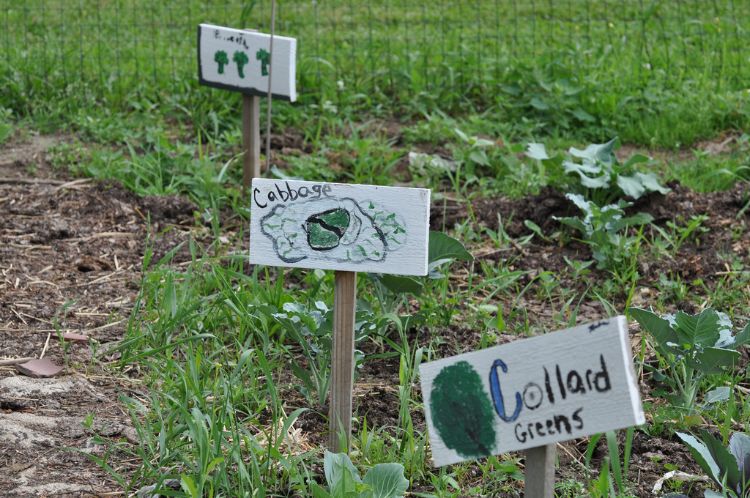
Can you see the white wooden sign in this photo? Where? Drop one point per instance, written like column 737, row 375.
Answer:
column 333, row 226
column 531, row 393
column 234, row 59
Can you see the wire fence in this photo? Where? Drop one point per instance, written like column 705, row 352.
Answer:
column 396, row 49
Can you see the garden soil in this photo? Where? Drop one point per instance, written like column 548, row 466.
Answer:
column 71, row 254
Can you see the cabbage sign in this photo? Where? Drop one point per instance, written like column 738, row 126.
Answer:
column 360, row 228
column 531, row 393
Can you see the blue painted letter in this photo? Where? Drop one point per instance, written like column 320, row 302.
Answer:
column 497, row 394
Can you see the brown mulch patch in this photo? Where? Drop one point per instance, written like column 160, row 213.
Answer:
column 70, row 261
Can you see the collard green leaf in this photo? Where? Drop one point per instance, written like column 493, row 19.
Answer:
column 341, row 475
column 713, row 360
column 700, row 329
column 651, row 183
column 724, row 459
column 702, row 456
column 537, row 151
column 656, row 326
column 631, row 186
column 743, row 337
column 386, row 480
column 597, row 152
column 399, row 284
column 739, row 446
column 442, row 246
column 718, row 395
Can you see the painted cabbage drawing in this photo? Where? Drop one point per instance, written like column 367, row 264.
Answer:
column 333, row 229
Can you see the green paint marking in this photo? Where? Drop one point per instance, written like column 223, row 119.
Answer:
column 462, row 412
column 324, row 230
column 320, row 238
column 220, row 57
column 264, row 57
column 240, row 58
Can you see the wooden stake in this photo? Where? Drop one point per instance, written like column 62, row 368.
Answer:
column 342, row 360
column 250, row 139
column 540, row 472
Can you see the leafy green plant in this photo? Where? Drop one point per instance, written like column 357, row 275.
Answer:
column 384, row 480
column 728, row 467
column 603, row 228
column 599, row 175
column 693, row 347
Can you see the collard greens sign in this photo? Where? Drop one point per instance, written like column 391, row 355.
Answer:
column 234, row 59
column 530, row 393
column 361, row 228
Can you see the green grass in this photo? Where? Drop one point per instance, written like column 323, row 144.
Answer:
column 656, row 73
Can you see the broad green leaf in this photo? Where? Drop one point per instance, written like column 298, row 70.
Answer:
column 724, row 459
column 580, row 202
column 713, row 360
column 573, row 223
column 537, row 151
column 718, row 395
column 585, row 168
column 386, row 480
column 597, row 152
column 341, row 475
column 700, row 329
column 597, row 182
column 318, row 491
column 702, row 455
column 739, row 446
column 632, row 221
column 656, row 326
column 631, row 186
column 651, row 182
column 443, row 246
column 743, row 337
column 399, row 284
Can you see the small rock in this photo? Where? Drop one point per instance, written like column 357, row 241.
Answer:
column 39, row 368
column 148, row 491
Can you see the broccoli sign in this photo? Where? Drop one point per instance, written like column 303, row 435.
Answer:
column 339, row 227
column 239, row 60
column 531, row 393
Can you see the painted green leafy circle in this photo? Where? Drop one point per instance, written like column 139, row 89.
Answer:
column 325, row 230
column 461, row 411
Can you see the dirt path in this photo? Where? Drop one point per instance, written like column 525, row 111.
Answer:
column 70, row 260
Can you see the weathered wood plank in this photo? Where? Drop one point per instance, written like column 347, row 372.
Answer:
column 250, row 139
column 342, row 361
column 532, row 392
column 334, row 226
column 236, row 59
column 539, row 480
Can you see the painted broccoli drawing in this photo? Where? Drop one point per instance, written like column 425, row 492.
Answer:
column 240, row 58
column 265, row 58
column 462, row 412
column 220, row 57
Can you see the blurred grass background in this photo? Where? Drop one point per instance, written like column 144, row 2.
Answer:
column 642, row 69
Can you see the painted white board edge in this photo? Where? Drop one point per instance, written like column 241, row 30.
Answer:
column 531, row 367
column 383, row 229
column 253, row 77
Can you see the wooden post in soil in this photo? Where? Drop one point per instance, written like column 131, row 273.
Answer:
column 539, row 477
column 240, row 60
column 348, row 229
column 250, row 139
column 342, row 361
